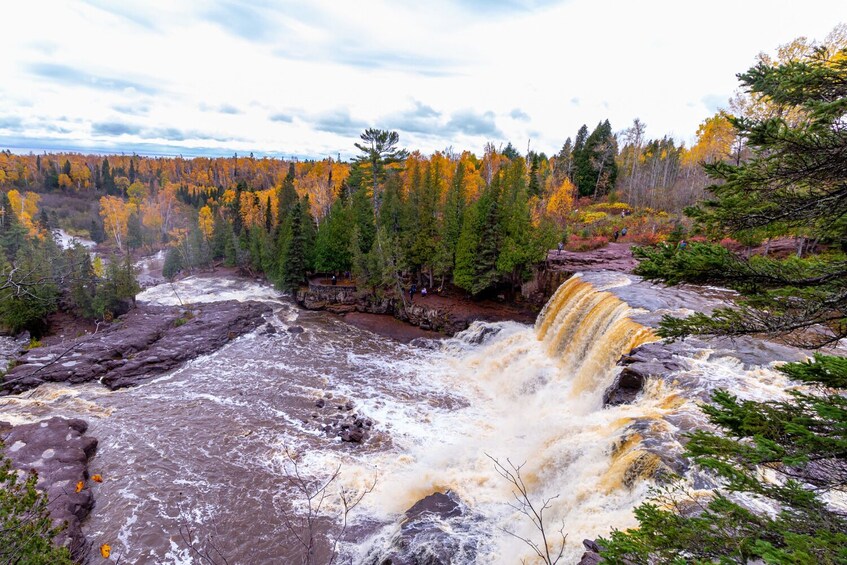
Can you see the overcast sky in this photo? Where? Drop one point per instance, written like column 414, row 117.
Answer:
column 305, row 78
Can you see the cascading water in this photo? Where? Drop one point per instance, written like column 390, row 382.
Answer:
column 534, row 396
column 205, row 444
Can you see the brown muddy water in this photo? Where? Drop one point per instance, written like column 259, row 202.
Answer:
column 205, row 447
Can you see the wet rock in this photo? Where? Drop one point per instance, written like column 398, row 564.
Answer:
column 349, row 405
column 353, row 435
column 58, row 451
column 147, row 342
column 592, row 553
column 320, row 402
column 426, row 343
column 296, row 329
column 430, row 534
column 484, row 333
column 269, row 329
column 651, row 360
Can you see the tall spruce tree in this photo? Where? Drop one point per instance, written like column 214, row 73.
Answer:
column 293, row 261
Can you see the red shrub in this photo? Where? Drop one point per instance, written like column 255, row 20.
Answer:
column 577, row 243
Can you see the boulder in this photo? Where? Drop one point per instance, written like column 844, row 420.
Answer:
column 655, row 360
column 430, row 534
column 592, row 553
column 147, row 342
column 58, row 451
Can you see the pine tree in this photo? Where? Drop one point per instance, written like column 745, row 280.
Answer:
column 795, row 181
column 26, row 530
column 287, row 195
column 594, row 163
column 451, row 223
column 332, row 244
column 796, row 185
column 173, row 263
column 534, row 186
column 134, row 234
column 293, row 264
column 478, row 247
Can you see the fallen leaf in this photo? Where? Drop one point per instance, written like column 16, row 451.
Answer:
column 105, row 550
column 97, row 478
column 80, row 485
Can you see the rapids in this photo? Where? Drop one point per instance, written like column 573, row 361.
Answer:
column 204, row 446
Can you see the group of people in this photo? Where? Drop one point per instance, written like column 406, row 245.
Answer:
column 413, row 289
column 621, row 233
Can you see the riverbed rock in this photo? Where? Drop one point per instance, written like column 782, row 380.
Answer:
column 592, row 553
column 612, row 257
column 58, row 451
column 651, row 360
column 147, row 342
column 430, row 534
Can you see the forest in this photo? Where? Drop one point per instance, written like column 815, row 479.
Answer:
column 388, row 218
column 770, row 167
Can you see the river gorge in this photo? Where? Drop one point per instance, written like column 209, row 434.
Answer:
column 205, row 453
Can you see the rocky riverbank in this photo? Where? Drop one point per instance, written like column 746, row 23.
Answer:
column 453, row 311
column 146, row 342
column 58, row 451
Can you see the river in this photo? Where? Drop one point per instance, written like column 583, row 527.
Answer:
column 206, row 448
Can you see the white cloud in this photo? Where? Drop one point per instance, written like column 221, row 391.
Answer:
column 303, row 78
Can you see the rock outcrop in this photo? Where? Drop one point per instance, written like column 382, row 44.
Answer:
column 58, row 451
column 614, row 257
column 592, row 553
column 650, row 360
column 148, row 341
column 430, row 534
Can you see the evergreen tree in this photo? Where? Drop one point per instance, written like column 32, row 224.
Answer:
column 510, row 153
column 83, row 282
column 230, row 249
column 534, row 186
column 595, row 170
column 26, row 530
column 173, row 263
column 12, row 233
column 423, row 202
column 134, row 234
column 287, row 195
column 795, row 185
column 95, row 232
column 332, row 244
column 293, row 264
column 268, row 216
column 106, row 178
column 310, row 233
column 451, row 225
column 795, row 181
column 380, row 151
column 563, row 164
column 26, row 304
column 478, row 247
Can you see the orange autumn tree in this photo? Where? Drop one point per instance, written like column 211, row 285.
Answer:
column 25, row 208
column 205, row 222
column 561, row 202
column 115, row 213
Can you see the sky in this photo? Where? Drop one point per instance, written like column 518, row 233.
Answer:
column 304, row 79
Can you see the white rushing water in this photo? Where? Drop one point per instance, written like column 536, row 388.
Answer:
column 205, row 445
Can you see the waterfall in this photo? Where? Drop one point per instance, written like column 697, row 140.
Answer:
column 534, row 395
column 588, row 331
